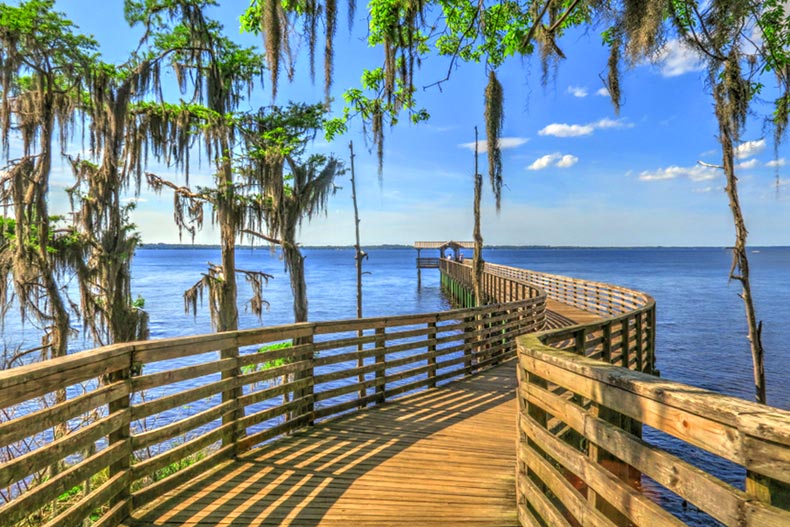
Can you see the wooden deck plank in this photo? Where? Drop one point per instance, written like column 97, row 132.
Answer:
column 560, row 315
column 439, row 457
column 446, row 458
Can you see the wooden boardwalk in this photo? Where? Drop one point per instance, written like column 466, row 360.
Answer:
column 440, row 457
column 559, row 315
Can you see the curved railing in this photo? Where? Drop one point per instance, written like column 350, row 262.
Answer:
column 624, row 334
column 582, row 458
column 143, row 417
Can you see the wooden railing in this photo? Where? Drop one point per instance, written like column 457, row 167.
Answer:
column 427, row 263
column 594, row 479
column 625, row 335
column 143, row 417
column 581, row 453
column 594, row 297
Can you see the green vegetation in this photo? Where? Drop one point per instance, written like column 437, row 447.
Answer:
column 281, row 361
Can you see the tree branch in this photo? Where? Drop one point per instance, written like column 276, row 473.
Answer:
column 562, row 18
column 262, row 236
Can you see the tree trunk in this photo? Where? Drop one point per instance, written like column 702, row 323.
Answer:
column 228, row 312
column 358, row 255
column 740, row 261
column 295, row 263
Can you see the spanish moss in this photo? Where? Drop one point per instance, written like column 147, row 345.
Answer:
column 330, row 17
column 272, row 30
column 494, row 117
column 613, row 78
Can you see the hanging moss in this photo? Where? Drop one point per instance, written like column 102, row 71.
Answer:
column 642, row 23
column 613, row 78
column 310, row 30
column 352, row 12
column 494, row 118
column 330, row 18
column 272, row 31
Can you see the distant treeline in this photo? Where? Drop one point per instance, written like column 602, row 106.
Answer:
column 491, row 247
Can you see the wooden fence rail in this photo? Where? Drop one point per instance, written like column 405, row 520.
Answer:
column 591, row 482
column 144, row 417
column 581, row 453
column 584, row 395
column 625, row 336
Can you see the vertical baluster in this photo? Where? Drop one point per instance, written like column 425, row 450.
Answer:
column 432, row 353
column 381, row 364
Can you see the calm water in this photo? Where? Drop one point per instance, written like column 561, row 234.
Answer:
column 701, row 329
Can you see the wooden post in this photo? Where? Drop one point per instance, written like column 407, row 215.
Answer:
column 419, row 270
column 622, row 470
column 607, row 343
column 581, row 340
column 640, row 362
column 231, row 436
column 122, row 434
column 652, row 344
column 624, row 338
column 469, row 338
column 381, row 362
column 308, row 373
column 432, row 351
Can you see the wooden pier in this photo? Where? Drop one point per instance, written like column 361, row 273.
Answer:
column 442, row 457
column 526, row 410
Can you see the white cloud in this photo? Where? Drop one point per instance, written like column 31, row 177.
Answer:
column 611, row 123
column 704, row 190
column 749, row 148
column 675, row 58
column 695, row 173
column 556, row 159
column 602, row 92
column 134, row 200
column 505, row 143
column 747, row 165
column 567, row 161
column 577, row 91
column 567, row 130
column 544, row 162
column 576, row 130
column 776, row 162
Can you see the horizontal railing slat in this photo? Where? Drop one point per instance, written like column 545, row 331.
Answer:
column 19, row 468
column 35, row 422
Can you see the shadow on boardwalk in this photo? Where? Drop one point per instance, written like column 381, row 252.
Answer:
column 444, row 456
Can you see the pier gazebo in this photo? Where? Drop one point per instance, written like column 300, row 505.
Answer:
column 443, row 247
column 433, row 263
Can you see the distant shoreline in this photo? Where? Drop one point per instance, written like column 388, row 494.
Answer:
column 182, row 246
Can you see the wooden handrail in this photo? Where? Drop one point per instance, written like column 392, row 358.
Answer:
column 154, row 414
column 625, row 335
column 753, row 436
column 581, row 453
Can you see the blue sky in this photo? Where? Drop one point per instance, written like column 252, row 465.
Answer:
column 575, row 173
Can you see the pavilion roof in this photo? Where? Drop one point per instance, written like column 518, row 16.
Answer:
column 442, row 245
